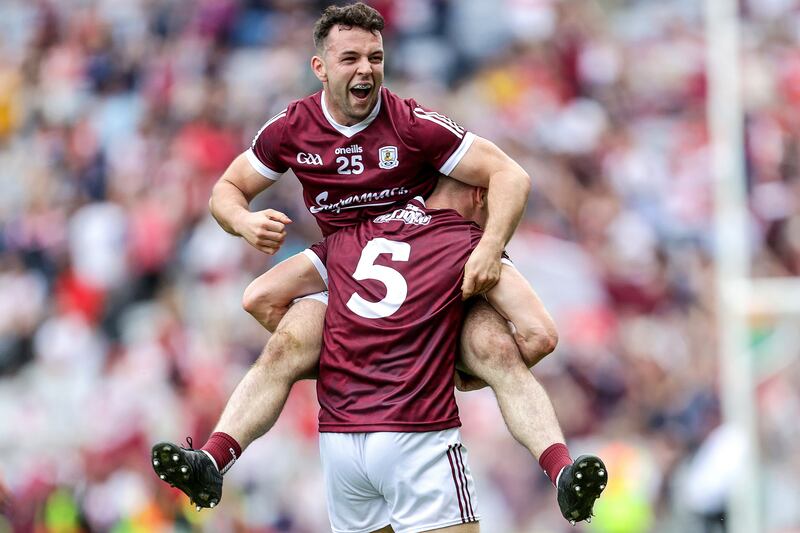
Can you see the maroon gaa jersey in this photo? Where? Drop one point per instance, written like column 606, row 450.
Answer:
column 353, row 173
column 393, row 320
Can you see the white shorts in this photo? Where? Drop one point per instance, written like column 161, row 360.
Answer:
column 413, row 481
column 318, row 296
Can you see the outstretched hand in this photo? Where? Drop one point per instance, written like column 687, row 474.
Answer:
column 264, row 230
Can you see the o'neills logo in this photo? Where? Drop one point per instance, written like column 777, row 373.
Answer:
column 364, row 199
column 411, row 214
column 353, row 149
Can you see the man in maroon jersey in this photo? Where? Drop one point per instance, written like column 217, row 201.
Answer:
column 391, row 450
column 357, row 149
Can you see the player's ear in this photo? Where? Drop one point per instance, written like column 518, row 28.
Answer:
column 318, row 66
column 480, row 196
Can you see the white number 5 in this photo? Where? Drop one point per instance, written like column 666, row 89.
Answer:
column 396, row 286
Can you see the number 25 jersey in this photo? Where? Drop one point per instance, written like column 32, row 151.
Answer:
column 353, row 173
column 393, row 320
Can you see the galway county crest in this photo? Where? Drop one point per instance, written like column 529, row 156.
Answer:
column 387, row 157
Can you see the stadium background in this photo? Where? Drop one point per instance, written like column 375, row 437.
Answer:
column 120, row 317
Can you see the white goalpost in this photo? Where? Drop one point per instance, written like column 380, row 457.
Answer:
column 737, row 294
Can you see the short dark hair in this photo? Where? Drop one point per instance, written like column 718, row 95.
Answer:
column 358, row 15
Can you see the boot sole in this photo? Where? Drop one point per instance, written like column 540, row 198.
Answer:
column 170, row 464
column 589, row 480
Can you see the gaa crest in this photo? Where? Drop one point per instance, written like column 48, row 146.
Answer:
column 387, row 157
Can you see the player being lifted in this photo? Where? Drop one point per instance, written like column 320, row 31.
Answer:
column 358, row 150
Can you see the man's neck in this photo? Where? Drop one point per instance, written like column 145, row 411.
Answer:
column 441, row 201
column 337, row 116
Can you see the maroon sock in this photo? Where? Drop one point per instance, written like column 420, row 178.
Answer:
column 553, row 459
column 223, row 449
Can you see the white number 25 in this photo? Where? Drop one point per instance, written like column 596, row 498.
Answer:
column 350, row 166
column 396, row 286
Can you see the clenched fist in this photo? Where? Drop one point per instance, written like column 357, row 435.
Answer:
column 264, row 230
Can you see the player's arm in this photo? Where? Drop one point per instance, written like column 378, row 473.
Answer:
column 486, row 165
column 230, row 201
column 515, row 299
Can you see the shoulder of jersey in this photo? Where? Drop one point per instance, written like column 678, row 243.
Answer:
column 450, row 218
column 415, row 112
column 446, row 217
column 300, row 107
column 400, row 111
column 395, row 104
column 310, row 105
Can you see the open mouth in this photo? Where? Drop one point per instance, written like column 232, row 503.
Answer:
column 361, row 91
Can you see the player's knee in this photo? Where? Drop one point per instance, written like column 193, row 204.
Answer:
column 505, row 352
column 282, row 354
column 282, row 344
column 535, row 343
column 257, row 302
column 493, row 349
column 252, row 299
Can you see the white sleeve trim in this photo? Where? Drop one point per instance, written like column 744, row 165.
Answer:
column 455, row 158
column 317, row 262
column 261, row 168
column 507, row 261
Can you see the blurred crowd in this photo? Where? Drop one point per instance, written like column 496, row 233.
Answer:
column 120, row 298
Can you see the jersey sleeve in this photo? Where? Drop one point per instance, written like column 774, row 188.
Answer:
column 318, row 255
column 263, row 152
column 440, row 139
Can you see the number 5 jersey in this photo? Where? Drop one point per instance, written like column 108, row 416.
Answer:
column 393, row 320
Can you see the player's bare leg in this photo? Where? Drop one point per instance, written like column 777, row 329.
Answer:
column 489, row 351
column 269, row 296
column 291, row 354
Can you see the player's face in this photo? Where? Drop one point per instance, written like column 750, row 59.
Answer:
column 351, row 70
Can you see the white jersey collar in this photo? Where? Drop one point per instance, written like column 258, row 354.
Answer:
column 349, row 131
